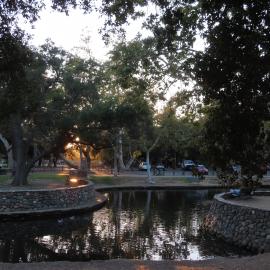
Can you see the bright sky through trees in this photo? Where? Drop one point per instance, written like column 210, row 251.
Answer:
column 67, row 31
column 225, row 84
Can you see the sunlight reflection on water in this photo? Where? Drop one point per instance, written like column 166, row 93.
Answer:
column 148, row 225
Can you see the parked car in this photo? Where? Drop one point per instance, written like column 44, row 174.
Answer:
column 200, row 169
column 187, row 165
column 143, row 166
column 160, row 166
column 159, row 169
column 3, row 163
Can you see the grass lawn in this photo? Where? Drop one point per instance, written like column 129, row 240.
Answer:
column 111, row 180
column 101, row 180
column 4, row 179
column 47, row 175
column 107, row 180
column 40, row 176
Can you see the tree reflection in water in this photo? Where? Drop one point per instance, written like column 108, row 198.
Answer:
column 135, row 225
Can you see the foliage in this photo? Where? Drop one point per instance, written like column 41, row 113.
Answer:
column 41, row 97
column 18, row 66
column 231, row 74
column 234, row 78
column 125, row 108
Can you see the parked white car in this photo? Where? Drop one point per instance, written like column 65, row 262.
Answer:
column 143, row 166
column 160, row 166
column 3, row 163
column 187, row 164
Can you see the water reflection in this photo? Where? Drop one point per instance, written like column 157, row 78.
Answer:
column 135, row 225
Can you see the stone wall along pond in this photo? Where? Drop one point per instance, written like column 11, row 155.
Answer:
column 46, row 199
column 244, row 226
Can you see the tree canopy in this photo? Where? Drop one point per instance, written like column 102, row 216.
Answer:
column 230, row 75
column 233, row 76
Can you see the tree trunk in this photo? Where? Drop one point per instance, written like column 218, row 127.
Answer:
column 120, row 156
column 120, row 151
column 68, row 162
column 81, row 156
column 88, row 157
column 8, row 148
column 115, row 168
column 129, row 163
column 50, row 164
column 131, row 159
column 37, row 153
column 19, row 152
column 20, row 148
column 149, row 176
column 10, row 160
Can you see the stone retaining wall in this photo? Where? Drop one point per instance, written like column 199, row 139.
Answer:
column 46, row 199
column 241, row 225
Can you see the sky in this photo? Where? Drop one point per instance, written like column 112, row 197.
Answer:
column 67, row 31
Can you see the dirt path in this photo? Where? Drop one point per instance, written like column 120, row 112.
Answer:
column 259, row 262
column 260, row 202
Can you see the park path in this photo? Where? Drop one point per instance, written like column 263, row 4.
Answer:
column 259, row 262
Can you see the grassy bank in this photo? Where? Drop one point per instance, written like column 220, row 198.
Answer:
column 53, row 176
column 133, row 180
column 106, row 180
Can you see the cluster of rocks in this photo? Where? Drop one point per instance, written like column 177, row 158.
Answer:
column 241, row 225
column 46, row 199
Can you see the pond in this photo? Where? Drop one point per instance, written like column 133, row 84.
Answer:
column 147, row 225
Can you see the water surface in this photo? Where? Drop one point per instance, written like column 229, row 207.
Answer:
column 148, row 225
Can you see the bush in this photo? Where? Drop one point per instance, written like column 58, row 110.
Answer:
column 247, row 184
